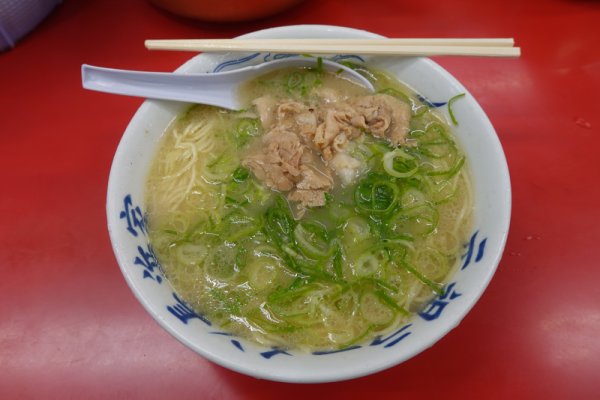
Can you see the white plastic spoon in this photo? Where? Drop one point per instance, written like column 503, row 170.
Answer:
column 217, row 89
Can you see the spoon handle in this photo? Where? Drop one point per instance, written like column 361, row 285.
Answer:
column 193, row 88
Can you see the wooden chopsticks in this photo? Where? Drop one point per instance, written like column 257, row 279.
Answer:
column 493, row 47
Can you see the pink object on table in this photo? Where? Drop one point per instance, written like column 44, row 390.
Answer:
column 19, row 17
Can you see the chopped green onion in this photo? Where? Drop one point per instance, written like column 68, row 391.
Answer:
column 262, row 272
column 319, row 64
column 439, row 150
column 397, row 94
column 449, row 172
column 241, row 174
column 432, row 285
column 246, row 129
column 412, row 197
column 376, row 194
column 337, row 263
column 434, row 133
column 294, row 80
column 403, row 168
column 279, row 223
column 366, row 265
column 312, row 239
column 190, row 253
column 417, row 221
column 358, row 338
column 237, row 225
column 390, row 302
column 450, row 102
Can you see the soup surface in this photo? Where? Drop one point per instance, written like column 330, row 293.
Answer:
column 316, row 218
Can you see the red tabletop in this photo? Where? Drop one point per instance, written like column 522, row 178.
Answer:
column 71, row 328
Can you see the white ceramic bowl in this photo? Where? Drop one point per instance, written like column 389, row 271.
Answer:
column 125, row 208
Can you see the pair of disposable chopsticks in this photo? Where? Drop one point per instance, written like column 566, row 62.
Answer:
column 493, row 47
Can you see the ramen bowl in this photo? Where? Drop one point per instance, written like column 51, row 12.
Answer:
column 480, row 253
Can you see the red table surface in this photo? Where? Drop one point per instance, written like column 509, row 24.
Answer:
column 71, row 328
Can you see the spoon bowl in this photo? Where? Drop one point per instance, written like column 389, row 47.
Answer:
column 217, row 89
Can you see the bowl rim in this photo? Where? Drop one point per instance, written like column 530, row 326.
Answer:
column 309, row 377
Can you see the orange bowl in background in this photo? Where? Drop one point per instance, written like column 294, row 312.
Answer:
column 225, row 10
column 491, row 219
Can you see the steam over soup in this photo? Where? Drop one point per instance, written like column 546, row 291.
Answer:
column 316, row 218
